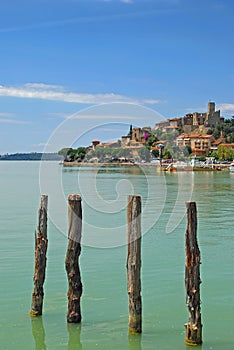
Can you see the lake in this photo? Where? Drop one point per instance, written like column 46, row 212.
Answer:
column 104, row 303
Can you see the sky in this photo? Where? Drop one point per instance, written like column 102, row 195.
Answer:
column 76, row 70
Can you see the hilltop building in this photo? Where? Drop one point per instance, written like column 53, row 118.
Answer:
column 141, row 134
column 192, row 121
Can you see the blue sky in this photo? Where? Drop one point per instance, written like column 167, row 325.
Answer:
column 109, row 63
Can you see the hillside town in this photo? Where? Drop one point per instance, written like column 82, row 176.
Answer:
column 197, row 135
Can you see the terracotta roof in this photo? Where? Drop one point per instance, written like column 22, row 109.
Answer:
column 216, row 142
column 163, row 122
column 174, row 119
column 183, row 136
column 227, row 144
column 198, row 150
column 194, row 136
column 206, row 136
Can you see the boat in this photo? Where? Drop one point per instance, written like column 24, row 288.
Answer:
column 232, row 167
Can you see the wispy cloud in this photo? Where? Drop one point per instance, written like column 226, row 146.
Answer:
column 6, row 114
column 98, row 18
column 54, row 93
column 43, row 86
column 108, row 117
column 59, row 115
column 226, row 107
column 13, row 121
column 40, row 144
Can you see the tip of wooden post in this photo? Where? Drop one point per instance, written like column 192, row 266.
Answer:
column 74, row 197
column 132, row 196
column 34, row 313
column 44, row 201
column 191, row 342
column 134, row 331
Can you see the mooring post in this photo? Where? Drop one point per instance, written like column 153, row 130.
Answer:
column 134, row 264
column 41, row 243
column 192, row 278
column 72, row 258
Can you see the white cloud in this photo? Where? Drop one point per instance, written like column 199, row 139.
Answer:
column 127, row 1
column 58, row 93
column 100, row 117
column 43, row 86
column 3, row 114
column 13, row 121
column 226, row 107
column 41, row 144
column 58, row 115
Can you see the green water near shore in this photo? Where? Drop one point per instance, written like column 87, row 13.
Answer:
column 105, row 301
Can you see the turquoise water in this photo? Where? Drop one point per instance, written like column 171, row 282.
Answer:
column 103, row 258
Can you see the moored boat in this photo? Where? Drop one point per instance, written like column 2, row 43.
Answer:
column 232, row 167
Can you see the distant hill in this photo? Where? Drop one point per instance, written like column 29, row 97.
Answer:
column 32, row 156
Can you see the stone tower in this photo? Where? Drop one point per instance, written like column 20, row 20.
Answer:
column 212, row 116
column 211, row 107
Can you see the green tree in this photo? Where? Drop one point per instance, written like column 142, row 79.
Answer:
column 151, row 140
column 71, row 154
column 80, row 153
column 63, row 152
column 144, row 154
column 123, row 152
column 189, row 149
column 231, row 139
column 209, row 132
column 225, row 153
column 214, row 154
column 167, row 154
column 155, row 153
column 130, row 132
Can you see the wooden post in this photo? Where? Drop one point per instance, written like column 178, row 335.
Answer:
column 134, row 264
column 72, row 258
column 192, row 278
column 40, row 259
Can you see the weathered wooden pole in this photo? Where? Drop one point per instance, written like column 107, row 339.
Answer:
column 134, row 264
column 72, row 258
column 41, row 243
column 192, row 278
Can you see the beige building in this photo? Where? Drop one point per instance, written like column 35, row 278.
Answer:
column 199, row 144
column 140, row 134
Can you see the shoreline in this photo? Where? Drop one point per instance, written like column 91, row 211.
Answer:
column 216, row 167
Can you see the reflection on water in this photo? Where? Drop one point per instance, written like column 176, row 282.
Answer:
column 198, row 347
column 134, row 342
column 38, row 333
column 162, row 257
column 74, row 337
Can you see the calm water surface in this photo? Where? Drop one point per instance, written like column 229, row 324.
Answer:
column 103, row 258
